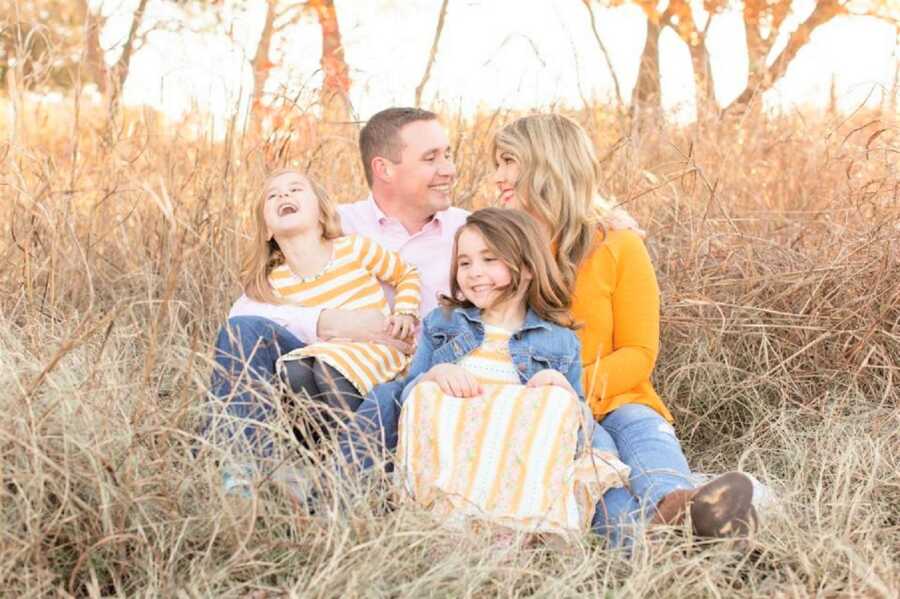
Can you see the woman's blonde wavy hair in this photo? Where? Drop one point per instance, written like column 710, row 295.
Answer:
column 558, row 180
column 515, row 238
column 263, row 253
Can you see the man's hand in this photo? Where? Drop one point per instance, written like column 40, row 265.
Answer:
column 359, row 325
column 453, row 380
column 549, row 377
column 401, row 326
column 619, row 219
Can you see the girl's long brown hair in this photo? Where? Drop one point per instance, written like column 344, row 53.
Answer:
column 514, row 237
column 263, row 254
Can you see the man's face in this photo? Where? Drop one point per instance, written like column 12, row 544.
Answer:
column 423, row 177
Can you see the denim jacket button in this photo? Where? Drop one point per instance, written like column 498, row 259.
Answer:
column 522, row 367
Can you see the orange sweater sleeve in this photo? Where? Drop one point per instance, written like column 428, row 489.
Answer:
column 635, row 311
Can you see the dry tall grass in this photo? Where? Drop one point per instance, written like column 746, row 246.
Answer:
column 776, row 242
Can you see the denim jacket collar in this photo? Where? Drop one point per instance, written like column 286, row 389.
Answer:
column 532, row 320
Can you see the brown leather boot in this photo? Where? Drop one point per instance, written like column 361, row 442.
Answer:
column 723, row 507
column 720, row 508
column 672, row 508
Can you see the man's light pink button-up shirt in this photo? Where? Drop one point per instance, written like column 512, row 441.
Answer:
column 428, row 250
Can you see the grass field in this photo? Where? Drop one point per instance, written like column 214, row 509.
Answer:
column 777, row 245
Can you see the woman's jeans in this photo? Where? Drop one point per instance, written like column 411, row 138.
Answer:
column 246, row 355
column 646, row 443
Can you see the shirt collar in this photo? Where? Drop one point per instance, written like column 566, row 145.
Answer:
column 377, row 215
column 533, row 321
column 382, row 219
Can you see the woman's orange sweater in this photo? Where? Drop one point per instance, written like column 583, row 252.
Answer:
column 616, row 299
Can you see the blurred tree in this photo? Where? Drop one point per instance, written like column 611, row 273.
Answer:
column 764, row 23
column 55, row 44
column 41, row 41
column 279, row 17
column 434, row 47
column 678, row 15
column 261, row 62
column 647, row 94
column 335, row 94
column 612, row 72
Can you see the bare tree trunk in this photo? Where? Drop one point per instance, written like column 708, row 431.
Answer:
column 763, row 77
column 646, row 97
column 894, row 91
column 119, row 71
column 261, row 63
column 336, row 87
column 704, row 85
column 431, row 57
column 832, row 96
column 94, row 59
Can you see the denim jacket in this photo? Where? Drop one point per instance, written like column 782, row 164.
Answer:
column 448, row 336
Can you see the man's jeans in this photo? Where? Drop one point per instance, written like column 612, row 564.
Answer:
column 372, row 433
column 646, row 443
column 246, row 354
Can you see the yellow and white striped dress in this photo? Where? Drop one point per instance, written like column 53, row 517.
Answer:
column 350, row 281
column 507, row 456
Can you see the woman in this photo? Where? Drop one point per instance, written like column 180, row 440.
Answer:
column 546, row 165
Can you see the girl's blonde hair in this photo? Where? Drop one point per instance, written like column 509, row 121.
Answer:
column 514, row 237
column 558, row 180
column 264, row 254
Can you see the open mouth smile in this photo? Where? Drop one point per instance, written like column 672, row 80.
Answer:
column 286, row 209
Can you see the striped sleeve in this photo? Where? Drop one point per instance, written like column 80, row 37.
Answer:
column 390, row 268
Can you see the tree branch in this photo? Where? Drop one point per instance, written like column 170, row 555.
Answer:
column 434, row 47
column 824, row 11
column 612, row 72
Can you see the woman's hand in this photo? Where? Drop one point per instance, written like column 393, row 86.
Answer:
column 453, row 380
column 549, row 377
column 401, row 326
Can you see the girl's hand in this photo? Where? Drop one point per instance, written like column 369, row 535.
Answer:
column 549, row 377
column 454, row 380
column 400, row 326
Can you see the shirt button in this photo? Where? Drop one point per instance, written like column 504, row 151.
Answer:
column 521, row 368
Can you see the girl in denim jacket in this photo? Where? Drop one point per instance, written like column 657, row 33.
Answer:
column 493, row 402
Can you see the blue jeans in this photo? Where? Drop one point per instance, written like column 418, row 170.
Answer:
column 646, row 443
column 372, row 433
column 247, row 351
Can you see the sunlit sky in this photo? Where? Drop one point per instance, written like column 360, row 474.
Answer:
column 493, row 53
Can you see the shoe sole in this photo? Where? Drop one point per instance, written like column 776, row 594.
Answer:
column 724, row 507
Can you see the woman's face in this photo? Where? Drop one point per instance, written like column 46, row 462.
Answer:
column 290, row 206
column 506, row 177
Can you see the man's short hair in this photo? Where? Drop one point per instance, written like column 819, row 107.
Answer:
column 381, row 135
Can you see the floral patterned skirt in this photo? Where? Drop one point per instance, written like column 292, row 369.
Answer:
column 510, row 456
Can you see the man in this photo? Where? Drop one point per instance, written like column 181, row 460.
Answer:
column 410, row 172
